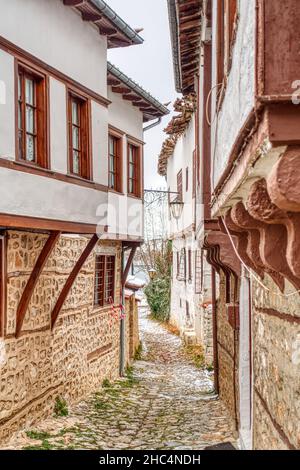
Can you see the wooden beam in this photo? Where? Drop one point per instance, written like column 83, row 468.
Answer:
column 129, row 97
column 128, row 264
column 93, row 17
column 121, row 89
column 141, row 104
column 74, row 3
column 117, row 42
column 33, row 223
column 72, row 278
column 33, row 280
column 104, row 31
column 113, row 81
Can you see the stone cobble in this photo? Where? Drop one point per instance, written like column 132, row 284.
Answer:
column 164, row 402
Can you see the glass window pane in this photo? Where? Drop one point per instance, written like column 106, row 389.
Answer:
column 20, row 87
column 112, row 164
column 75, row 162
column 131, row 154
column 111, row 180
column 30, row 150
column 131, row 186
column 75, row 113
column 112, row 146
column 30, row 120
column 76, row 138
column 20, row 119
column 29, row 91
column 20, row 138
column 131, row 171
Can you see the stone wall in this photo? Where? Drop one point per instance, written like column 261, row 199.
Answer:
column 196, row 327
column 227, row 340
column 77, row 355
column 131, row 328
column 276, row 350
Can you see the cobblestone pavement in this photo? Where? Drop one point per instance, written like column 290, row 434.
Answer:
column 164, row 403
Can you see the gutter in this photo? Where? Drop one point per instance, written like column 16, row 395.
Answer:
column 215, row 330
column 120, row 24
column 136, row 88
column 154, row 124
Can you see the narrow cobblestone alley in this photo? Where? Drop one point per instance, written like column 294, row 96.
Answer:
column 164, row 403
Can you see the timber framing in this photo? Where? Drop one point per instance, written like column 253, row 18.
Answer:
column 128, row 264
column 109, row 24
column 20, row 222
column 33, row 280
column 72, row 278
column 131, row 91
column 185, row 26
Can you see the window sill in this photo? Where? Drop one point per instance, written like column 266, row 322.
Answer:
column 34, row 166
column 80, row 178
column 47, row 173
column 101, row 310
column 132, row 196
column 114, row 191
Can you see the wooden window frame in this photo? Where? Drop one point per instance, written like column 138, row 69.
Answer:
column 226, row 15
column 137, row 180
column 41, row 115
column 179, row 186
column 198, row 271
column 85, row 160
column 190, row 269
column 105, row 301
column 187, row 179
column 118, row 186
column 194, row 173
column 181, row 272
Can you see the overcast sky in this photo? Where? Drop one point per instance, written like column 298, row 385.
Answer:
column 150, row 65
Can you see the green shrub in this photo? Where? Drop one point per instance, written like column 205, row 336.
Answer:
column 158, row 298
column 61, row 407
column 106, row 383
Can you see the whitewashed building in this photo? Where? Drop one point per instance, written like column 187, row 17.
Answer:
column 71, row 202
column 240, row 59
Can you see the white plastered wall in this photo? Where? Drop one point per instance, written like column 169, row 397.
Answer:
column 239, row 96
column 58, row 36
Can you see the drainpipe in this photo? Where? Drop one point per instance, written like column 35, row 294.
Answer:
column 154, row 124
column 215, row 330
column 122, row 321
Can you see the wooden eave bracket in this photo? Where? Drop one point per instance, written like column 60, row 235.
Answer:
column 72, row 278
column 128, row 264
column 33, row 280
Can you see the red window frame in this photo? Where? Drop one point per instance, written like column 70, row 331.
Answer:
column 31, row 116
column 115, row 162
column 134, row 156
column 104, row 283
column 79, row 136
column 179, row 186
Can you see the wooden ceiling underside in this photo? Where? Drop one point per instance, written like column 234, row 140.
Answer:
column 148, row 110
column 189, row 19
column 115, row 37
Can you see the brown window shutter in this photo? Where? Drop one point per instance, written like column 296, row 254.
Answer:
column 190, row 264
column 179, row 185
column 187, row 178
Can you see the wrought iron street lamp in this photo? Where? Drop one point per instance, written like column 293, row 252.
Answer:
column 152, row 274
column 176, row 208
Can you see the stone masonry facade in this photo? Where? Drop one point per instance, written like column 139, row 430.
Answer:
column 227, row 347
column 82, row 350
column 276, row 358
column 276, row 324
